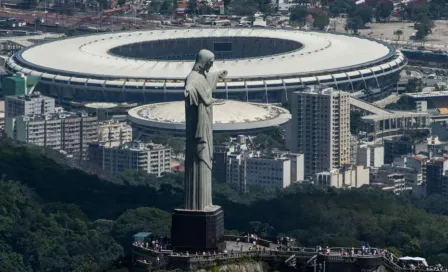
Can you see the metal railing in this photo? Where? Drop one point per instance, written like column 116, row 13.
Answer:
column 309, row 254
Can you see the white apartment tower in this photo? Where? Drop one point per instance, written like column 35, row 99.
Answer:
column 34, row 103
column 68, row 131
column 151, row 158
column 320, row 128
column 274, row 171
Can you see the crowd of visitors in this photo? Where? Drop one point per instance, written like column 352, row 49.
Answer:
column 154, row 243
column 288, row 244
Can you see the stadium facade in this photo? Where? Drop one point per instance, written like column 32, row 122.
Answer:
column 265, row 65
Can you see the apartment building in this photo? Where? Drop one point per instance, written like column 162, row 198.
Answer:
column 349, row 176
column 34, row 103
column 370, row 154
column 151, row 158
column 436, row 176
column 412, row 178
column 397, row 184
column 114, row 133
column 277, row 170
column 320, row 128
column 68, row 131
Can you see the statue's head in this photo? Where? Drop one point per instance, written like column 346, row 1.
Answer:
column 204, row 61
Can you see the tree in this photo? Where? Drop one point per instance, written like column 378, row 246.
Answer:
column 384, row 10
column 193, row 6
column 298, row 14
column 415, row 12
column 371, row 3
column 221, row 138
column 143, row 219
column 338, row 7
column 243, row 7
column 205, row 9
column 167, row 7
column 354, row 24
column 121, row 2
column 424, row 27
column 438, row 9
column 365, row 13
column 414, row 85
column 154, row 7
column 263, row 229
column 398, row 33
column 177, row 144
column 321, row 19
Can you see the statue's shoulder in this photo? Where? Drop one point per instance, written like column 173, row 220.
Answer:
column 193, row 76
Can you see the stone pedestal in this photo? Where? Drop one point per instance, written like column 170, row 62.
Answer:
column 198, row 231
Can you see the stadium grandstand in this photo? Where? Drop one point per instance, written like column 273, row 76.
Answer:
column 265, row 65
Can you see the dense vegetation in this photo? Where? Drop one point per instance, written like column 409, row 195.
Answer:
column 55, row 218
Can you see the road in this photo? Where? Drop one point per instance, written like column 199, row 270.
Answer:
column 25, row 40
column 387, row 100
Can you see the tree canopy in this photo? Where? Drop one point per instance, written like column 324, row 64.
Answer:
column 383, row 11
column 63, row 219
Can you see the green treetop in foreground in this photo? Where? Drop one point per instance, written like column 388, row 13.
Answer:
column 61, row 219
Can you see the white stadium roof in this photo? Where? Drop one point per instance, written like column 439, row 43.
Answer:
column 228, row 115
column 89, row 55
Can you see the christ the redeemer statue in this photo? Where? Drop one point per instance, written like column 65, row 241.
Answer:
column 199, row 85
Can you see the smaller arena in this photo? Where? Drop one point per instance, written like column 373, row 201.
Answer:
column 233, row 117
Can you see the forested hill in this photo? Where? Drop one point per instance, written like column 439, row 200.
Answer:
column 55, row 218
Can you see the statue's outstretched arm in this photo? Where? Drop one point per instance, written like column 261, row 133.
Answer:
column 214, row 77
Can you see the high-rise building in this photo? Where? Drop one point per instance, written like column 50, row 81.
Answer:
column 34, row 103
column 151, row 158
column 220, row 154
column 320, row 128
column 436, row 180
column 114, row 133
column 68, row 131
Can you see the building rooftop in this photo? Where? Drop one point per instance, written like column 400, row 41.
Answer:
column 53, row 116
column 224, row 112
column 427, row 95
column 102, row 105
column 419, row 157
column 28, row 96
column 134, row 146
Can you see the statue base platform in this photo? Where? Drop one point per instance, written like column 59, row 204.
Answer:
column 198, row 231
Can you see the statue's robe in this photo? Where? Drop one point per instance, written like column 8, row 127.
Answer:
column 199, row 139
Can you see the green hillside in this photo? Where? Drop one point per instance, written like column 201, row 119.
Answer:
column 55, row 218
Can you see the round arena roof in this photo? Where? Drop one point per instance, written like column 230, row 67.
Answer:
column 289, row 52
column 228, row 116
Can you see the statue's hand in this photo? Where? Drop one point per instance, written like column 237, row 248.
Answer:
column 223, row 73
